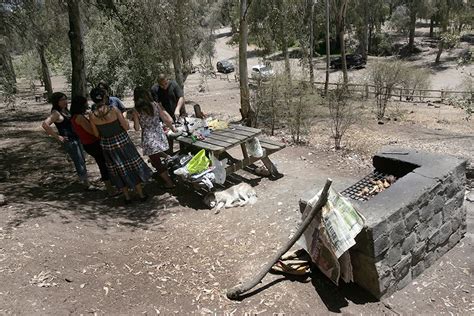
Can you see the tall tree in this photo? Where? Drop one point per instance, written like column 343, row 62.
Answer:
column 341, row 6
column 7, row 73
column 311, row 44
column 78, row 80
column 248, row 115
column 328, row 46
column 36, row 24
column 445, row 9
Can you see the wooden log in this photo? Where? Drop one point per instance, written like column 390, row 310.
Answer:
column 236, row 292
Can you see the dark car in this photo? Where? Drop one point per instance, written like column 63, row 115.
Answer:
column 355, row 61
column 225, row 66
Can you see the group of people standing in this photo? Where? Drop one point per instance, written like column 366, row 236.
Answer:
column 102, row 133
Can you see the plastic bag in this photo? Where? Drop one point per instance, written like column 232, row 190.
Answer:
column 254, row 148
column 199, row 162
column 182, row 172
column 219, row 171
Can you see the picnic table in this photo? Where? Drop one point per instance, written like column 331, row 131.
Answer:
column 220, row 141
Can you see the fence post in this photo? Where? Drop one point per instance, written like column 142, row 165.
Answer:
column 401, row 94
column 366, row 91
column 442, row 95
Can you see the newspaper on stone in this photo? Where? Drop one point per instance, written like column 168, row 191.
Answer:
column 330, row 235
column 342, row 222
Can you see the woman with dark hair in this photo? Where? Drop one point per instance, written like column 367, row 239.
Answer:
column 146, row 115
column 90, row 143
column 125, row 166
column 61, row 117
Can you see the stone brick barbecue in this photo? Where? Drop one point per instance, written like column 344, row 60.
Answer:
column 410, row 224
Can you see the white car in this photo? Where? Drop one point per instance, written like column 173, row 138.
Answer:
column 261, row 72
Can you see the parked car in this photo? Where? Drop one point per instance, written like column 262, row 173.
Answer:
column 355, row 61
column 225, row 66
column 261, row 72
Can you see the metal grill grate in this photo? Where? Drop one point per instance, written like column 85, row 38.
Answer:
column 353, row 190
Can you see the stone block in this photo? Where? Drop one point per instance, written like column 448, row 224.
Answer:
column 397, row 232
column 411, row 219
column 386, row 281
column 381, row 245
column 422, row 231
column 436, row 220
column 394, row 218
column 393, row 255
column 433, row 240
column 364, row 242
column 425, row 212
column 418, row 253
column 408, row 243
column 444, row 233
column 404, row 282
column 437, row 203
column 430, row 258
column 402, row 267
column 379, row 229
column 454, row 238
column 365, row 272
column 449, row 208
column 417, row 269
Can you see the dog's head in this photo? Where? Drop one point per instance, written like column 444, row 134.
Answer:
column 210, row 200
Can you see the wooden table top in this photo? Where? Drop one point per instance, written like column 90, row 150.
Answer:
column 223, row 139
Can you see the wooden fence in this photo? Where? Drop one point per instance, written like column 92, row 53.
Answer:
column 403, row 94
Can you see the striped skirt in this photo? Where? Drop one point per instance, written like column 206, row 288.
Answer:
column 125, row 165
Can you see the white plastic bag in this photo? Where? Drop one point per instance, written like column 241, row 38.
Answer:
column 254, row 148
column 219, row 170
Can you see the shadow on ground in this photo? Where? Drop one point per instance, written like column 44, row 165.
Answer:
column 43, row 182
column 337, row 297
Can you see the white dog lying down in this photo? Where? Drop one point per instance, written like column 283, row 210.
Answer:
column 238, row 195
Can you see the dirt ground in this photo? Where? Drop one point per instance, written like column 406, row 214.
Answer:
column 67, row 251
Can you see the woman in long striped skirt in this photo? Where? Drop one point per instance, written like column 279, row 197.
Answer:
column 127, row 170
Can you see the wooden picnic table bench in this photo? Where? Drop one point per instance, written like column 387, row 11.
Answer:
column 219, row 142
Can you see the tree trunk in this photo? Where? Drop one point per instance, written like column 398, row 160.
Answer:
column 328, row 49
column 45, row 70
column 176, row 45
column 287, row 59
column 6, row 66
column 311, row 46
column 431, row 26
column 365, row 32
column 79, row 87
column 248, row 115
column 369, row 40
column 440, row 51
column 178, row 72
column 411, row 33
column 444, row 29
column 341, row 30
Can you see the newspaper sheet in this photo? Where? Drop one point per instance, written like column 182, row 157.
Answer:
column 331, row 234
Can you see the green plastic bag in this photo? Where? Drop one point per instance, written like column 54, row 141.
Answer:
column 198, row 163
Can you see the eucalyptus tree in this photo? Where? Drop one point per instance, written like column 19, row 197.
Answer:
column 7, row 72
column 368, row 17
column 248, row 114
column 39, row 24
column 415, row 9
column 446, row 11
column 274, row 26
column 341, row 7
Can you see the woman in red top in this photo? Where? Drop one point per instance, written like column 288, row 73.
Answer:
column 90, row 143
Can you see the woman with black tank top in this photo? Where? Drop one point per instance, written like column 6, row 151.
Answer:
column 61, row 117
column 127, row 170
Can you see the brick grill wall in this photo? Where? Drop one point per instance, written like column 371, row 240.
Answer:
column 410, row 225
